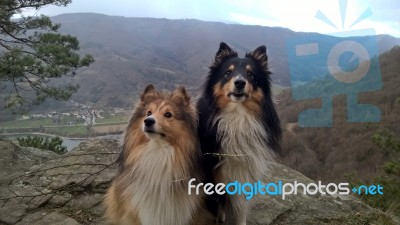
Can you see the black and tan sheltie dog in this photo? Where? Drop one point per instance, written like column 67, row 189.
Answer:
column 238, row 126
column 160, row 154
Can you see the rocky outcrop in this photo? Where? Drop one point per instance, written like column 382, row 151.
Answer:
column 66, row 189
column 313, row 209
column 14, row 159
column 69, row 189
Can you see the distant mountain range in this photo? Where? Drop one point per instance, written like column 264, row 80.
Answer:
column 132, row 52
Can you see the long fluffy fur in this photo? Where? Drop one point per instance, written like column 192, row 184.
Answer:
column 237, row 139
column 150, row 187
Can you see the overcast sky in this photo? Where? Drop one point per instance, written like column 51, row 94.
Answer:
column 298, row 15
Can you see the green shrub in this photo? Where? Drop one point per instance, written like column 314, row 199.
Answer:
column 390, row 200
column 53, row 144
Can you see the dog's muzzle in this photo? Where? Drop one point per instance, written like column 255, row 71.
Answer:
column 149, row 124
column 239, row 87
column 239, row 83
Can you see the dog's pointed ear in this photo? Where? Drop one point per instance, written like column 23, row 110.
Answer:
column 260, row 53
column 223, row 52
column 148, row 94
column 180, row 96
column 223, row 47
column 260, row 50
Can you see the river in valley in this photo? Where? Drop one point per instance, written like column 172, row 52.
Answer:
column 70, row 143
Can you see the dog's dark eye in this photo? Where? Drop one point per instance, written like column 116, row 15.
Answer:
column 250, row 74
column 227, row 73
column 168, row 114
column 148, row 113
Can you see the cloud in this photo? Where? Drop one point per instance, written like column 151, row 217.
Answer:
column 295, row 15
column 251, row 20
column 300, row 15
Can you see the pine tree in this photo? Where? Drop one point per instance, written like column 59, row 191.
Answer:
column 33, row 54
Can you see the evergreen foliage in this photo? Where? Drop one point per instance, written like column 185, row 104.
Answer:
column 33, row 54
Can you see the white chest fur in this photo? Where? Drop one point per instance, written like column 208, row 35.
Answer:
column 157, row 197
column 243, row 143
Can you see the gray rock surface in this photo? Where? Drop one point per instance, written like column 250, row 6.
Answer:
column 66, row 189
column 69, row 189
column 312, row 209
column 43, row 218
column 16, row 159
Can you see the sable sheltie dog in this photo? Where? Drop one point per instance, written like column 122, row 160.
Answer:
column 238, row 126
column 160, row 154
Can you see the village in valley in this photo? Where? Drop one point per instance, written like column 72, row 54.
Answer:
column 82, row 121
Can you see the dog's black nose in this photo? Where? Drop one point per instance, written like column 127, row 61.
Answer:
column 148, row 122
column 239, row 84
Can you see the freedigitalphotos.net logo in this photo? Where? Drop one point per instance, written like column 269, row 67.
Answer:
column 322, row 66
column 279, row 188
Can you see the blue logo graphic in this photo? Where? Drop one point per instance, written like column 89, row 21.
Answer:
column 368, row 190
column 322, row 66
column 249, row 190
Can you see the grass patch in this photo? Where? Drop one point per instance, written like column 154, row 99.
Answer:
column 34, row 123
column 110, row 123
column 71, row 131
column 113, row 120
